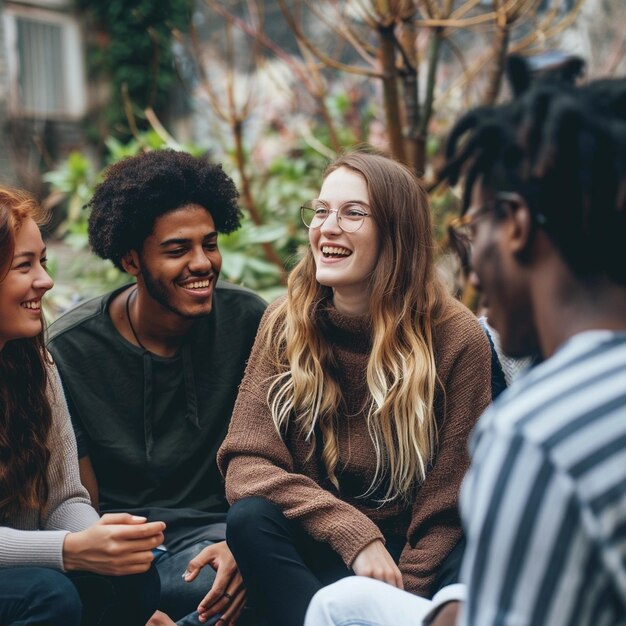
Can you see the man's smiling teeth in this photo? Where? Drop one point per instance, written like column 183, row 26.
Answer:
column 199, row 284
column 333, row 251
column 32, row 305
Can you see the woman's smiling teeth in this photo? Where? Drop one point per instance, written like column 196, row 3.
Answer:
column 329, row 251
column 35, row 305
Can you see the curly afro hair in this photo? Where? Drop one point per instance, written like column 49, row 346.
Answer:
column 138, row 190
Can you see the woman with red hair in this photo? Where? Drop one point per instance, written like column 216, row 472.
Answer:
column 60, row 563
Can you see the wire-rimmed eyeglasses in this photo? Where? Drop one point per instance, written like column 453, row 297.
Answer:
column 462, row 230
column 350, row 215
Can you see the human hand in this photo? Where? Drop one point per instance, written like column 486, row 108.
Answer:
column 160, row 619
column 228, row 594
column 374, row 561
column 446, row 615
column 117, row 544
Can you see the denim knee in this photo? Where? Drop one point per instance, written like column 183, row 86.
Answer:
column 349, row 601
column 53, row 598
column 357, row 589
column 246, row 516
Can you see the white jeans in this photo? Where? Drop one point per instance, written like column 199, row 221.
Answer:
column 360, row 601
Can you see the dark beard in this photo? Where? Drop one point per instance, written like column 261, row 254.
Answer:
column 161, row 295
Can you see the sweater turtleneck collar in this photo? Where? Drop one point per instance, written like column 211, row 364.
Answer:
column 351, row 331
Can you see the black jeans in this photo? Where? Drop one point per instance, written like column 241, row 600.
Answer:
column 42, row 596
column 282, row 566
column 451, row 568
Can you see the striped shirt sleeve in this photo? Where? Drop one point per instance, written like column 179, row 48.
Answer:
column 525, row 520
column 545, row 499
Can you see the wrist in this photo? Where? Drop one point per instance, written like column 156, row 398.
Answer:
column 71, row 549
column 363, row 546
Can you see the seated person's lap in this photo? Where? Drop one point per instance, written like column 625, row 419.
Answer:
column 40, row 595
column 178, row 597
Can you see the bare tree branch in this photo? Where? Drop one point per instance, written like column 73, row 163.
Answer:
column 499, row 49
column 391, row 96
column 324, row 58
column 342, row 29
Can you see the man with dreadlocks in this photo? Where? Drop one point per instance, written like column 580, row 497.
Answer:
column 544, row 502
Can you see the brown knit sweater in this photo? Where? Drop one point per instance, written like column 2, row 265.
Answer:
column 257, row 462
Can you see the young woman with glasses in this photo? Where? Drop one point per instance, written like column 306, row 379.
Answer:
column 60, row 564
column 348, row 440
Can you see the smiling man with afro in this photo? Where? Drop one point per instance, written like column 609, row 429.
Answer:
column 139, row 189
column 151, row 370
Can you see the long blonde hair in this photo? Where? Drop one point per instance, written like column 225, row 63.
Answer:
column 406, row 301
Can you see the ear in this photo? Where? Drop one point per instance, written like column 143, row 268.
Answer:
column 520, row 227
column 131, row 263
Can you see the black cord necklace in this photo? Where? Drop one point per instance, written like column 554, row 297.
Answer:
column 130, row 321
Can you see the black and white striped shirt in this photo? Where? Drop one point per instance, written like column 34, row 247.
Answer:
column 544, row 502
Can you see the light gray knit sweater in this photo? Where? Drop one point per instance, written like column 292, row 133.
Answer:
column 35, row 538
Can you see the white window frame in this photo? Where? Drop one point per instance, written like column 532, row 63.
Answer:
column 44, row 4
column 72, row 71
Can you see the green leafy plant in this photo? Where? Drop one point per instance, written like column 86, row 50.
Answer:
column 131, row 48
column 280, row 190
column 72, row 184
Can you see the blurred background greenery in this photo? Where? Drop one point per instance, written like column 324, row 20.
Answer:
column 272, row 89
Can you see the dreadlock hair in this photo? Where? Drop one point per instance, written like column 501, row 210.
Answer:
column 406, row 302
column 25, row 413
column 139, row 189
column 563, row 149
column 522, row 72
